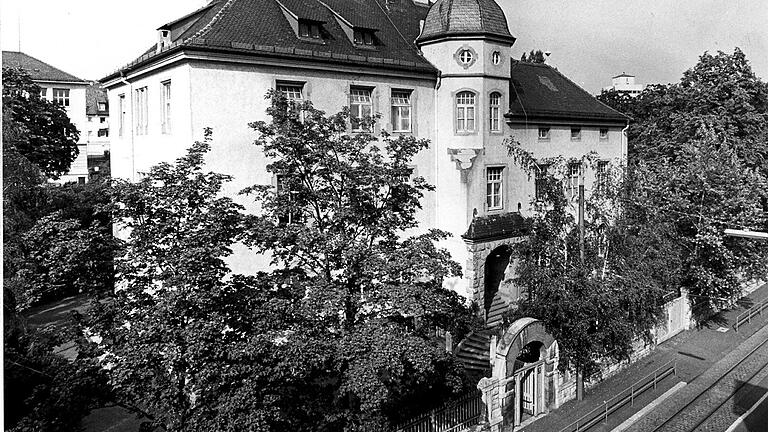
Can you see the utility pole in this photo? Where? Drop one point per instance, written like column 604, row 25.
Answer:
column 579, row 372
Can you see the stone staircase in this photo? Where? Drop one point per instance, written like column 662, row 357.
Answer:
column 497, row 309
column 474, row 353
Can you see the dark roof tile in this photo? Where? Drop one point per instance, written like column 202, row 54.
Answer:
column 540, row 91
column 37, row 69
column 238, row 24
column 94, row 94
column 505, row 225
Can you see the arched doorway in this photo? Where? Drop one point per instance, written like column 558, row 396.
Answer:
column 496, row 265
column 525, row 363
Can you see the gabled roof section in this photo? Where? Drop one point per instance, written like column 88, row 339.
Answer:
column 261, row 28
column 38, row 70
column 538, row 91
column 95, row 94
column 624, row 75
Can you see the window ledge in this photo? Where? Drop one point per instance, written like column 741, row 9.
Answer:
column 465, row 133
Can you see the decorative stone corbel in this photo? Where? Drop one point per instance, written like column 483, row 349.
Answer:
column 464, row 158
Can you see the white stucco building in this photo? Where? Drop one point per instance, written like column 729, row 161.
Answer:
column 66, row 90
column 439, row 71
column 625, row 83
column 97, row 127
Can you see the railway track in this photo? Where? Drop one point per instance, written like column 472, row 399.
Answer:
column 702, row 412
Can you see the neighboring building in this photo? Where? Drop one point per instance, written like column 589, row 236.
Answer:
column 441, row 72
column 97, row 127
column 65, row 89
column 625, row 83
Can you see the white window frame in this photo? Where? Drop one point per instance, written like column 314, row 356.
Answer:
column 601, row 175
column 43, row 92
column 574, row 175
column 603, row 136
column 494, row 188
column 360, row 101
column 466, row 121
column 165, row 106
column 401, row 102
column 544, row 133
column 494, row 113
column 61, row 96
column 141, row 110
column 466, row 57
column 291, row 90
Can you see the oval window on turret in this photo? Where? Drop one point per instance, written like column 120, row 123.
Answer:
column 496, row 57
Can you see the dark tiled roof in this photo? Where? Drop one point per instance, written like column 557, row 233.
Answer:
column 37, row 70
column 505, row 225
column 538, row 91
column 94, row 94
column 469, row 17
column 259, row 27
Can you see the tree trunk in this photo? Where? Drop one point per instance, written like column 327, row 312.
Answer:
column 579, row 384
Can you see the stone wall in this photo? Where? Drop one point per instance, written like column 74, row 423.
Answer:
column 474, row 269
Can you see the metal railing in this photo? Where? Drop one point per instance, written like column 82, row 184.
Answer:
column 458, row 415
column 746, row 316
column 628, row 395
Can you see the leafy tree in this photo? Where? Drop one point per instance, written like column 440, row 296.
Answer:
column 699, row 157
column 44, row 134
column 536, row 56
column 44, row 391
column 597, row 305
column 374, row 296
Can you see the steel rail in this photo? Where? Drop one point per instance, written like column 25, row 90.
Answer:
column 711, row 386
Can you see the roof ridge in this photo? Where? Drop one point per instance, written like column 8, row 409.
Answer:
column 206, row 28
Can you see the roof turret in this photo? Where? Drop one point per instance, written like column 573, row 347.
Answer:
column 448, row 18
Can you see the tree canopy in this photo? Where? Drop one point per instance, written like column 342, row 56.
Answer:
column 698, row 153
column 536, row 56
column 35, row 128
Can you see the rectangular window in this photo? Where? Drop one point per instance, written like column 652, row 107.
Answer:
column 543, row 133
column 363, row 37
column 494, row 188
column 575, row 133
column 102, row 119
column 401, row 111
column 141, row 110
column 291, row 91
column 465, row 112
column 574, row 171
column 103, row 132
column 601, row 176
column 360, row 107
column 495, row 112
column 309, row 29
column 81, row 180
column 43, row 92
column 120, row 114
column 61, row 97
column 102, row 106
column 603, row 133
column 540, row 181
column 165, row 106
column 285, row 195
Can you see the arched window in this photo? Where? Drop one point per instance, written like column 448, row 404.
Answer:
column 495, row 112
column 465, row 112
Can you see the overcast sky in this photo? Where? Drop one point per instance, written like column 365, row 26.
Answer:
column 590, row 40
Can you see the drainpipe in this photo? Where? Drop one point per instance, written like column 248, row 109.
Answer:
column 624, row 144
column 133, row 150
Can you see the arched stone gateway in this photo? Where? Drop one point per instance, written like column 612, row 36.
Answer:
column 524, row 380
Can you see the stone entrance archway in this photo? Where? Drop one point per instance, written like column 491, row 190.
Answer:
column 524, row 376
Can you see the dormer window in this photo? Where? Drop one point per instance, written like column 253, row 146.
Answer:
column 309, row 29
column 163, row 39
column 363, row 37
